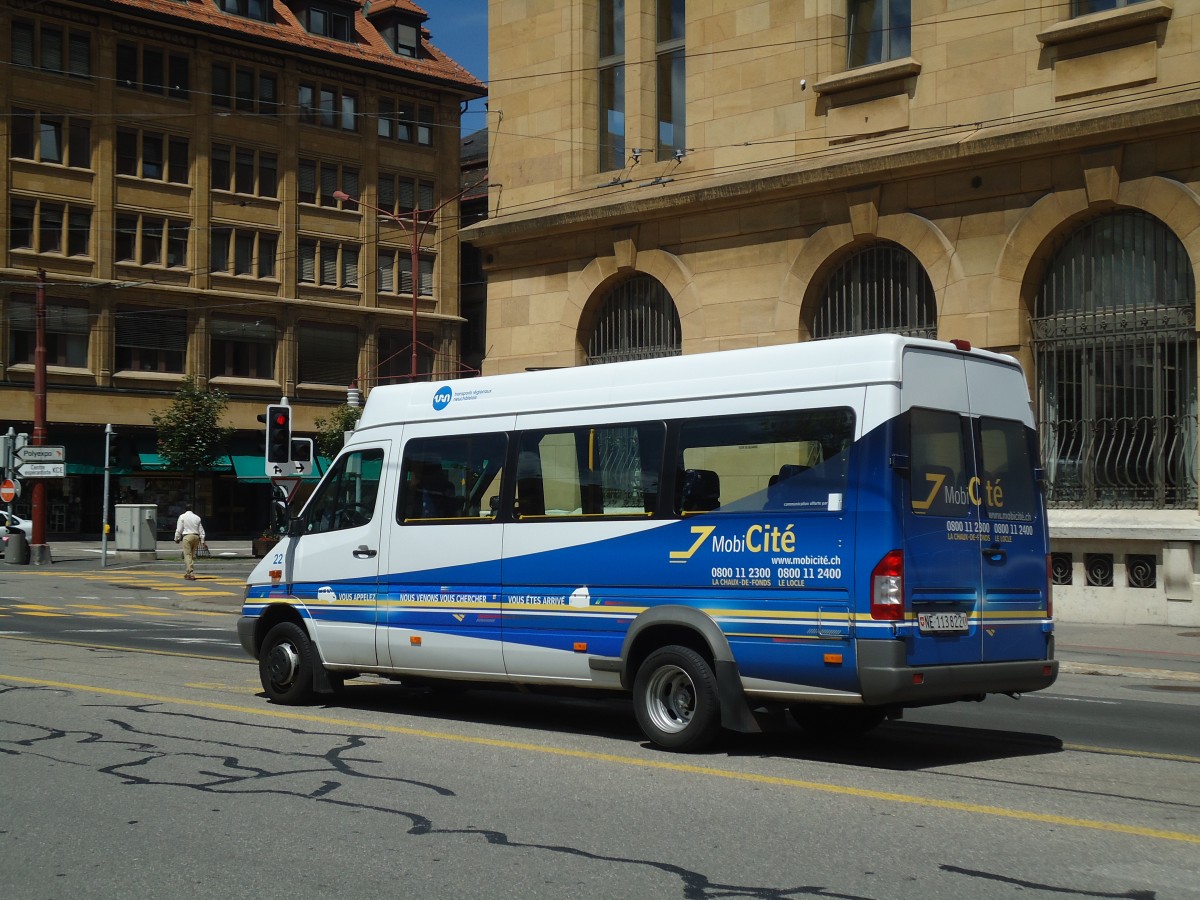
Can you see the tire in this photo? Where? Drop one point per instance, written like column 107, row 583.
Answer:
column 675, row 700
column 285, row 665
column 837, row 721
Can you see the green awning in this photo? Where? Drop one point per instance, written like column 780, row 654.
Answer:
column 156, row 462
column 252, row 469
column 86, row 469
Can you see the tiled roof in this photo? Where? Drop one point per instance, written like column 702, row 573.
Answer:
column 368, row 49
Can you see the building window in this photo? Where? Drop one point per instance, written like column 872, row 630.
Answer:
column 242, row 251
column 67, row 329
column 328, row 107
column 318, row 181
column 49, row 48
column 395, row 355
column 51, row 138
column 150, row 340
column 402, row 37
column 248, row 9
column 244, row 89
column 400, row 194
column 329, row 263
column 1115, row 355
column 1084, row 7
column 244, row 170
column 878, row 31
column 151, row 155
column 47, row 227
column 395, row 272
column 241, row 347
column 327, row 354
column 637, row 320
column 879, row 288
column 153, row 70
column 329, row 23
column 611, row 76
column 671, row 67
column 152, row 240
column 406, row 122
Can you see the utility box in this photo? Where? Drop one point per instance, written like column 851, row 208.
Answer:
column 137, row 527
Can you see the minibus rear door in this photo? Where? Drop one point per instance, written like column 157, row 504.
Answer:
column 942, row 525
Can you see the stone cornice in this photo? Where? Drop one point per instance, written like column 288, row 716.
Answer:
column 848, row 165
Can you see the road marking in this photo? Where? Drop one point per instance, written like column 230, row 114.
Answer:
column 1143, row 754
column 91, row 645
column 686, row 768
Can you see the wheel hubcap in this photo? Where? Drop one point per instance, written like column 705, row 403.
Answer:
column 672, row 699
column 283, row 662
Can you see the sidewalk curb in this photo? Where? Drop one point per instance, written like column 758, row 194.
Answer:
column 1076, row 668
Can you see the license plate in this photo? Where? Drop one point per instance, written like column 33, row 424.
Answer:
column 942, row 622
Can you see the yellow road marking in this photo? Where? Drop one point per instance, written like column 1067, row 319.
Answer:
column 1142, row 754
column 685, row 768
column 90, row 645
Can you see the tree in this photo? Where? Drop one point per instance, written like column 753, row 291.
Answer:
column 331, row 431
column 190, row 434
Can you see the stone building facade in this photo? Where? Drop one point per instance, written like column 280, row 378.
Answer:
column 681, row 176
column 174, row 169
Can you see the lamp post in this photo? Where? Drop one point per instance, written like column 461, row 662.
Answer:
column 39, row 552
column 415, row 234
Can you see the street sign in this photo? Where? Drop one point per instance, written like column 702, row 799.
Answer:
column 276, row 470
column 29, row 453
column 288, row 485
column 42, row 470
column 9, row 490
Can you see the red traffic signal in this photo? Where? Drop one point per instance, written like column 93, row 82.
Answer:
column 279, row 434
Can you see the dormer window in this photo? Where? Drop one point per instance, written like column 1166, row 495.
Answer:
column 330, row 23
column 403, row 38
column 259, row 10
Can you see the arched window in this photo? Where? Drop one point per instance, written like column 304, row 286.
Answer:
column 637, row 320
column 879, row 288
column 1115, row 351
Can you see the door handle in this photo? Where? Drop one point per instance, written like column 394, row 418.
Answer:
column 995, row 554
column 364, row 552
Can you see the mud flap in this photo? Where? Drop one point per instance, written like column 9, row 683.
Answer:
column 736, row 714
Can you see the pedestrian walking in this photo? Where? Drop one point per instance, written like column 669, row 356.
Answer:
column 189, row 531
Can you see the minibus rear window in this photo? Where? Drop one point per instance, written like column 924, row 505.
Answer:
column 1008, row 490
column 940, row 474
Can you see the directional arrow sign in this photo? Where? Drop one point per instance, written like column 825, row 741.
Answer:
column 42, row 470
column 30, row 453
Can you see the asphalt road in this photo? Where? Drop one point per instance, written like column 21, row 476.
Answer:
column 139, row 759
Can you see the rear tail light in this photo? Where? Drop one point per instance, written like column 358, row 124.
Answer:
column 887, row 587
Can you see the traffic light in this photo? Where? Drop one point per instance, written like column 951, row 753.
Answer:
column 302, row 450
column 279, row 434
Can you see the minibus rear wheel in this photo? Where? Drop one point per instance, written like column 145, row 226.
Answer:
column 675, row 699
column 285, row 664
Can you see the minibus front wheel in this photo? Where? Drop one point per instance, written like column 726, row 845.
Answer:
column 675, row 699
column 285, row 664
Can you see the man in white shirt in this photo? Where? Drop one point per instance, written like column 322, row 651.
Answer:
column 189, row 531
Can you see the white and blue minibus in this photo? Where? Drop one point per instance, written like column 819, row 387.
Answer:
column 841, row 528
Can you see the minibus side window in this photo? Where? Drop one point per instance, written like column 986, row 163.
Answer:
column 451, row 479
column 589, row 471
column 346, row 498
column 939, row 473
column 792, row 461
column 1008, row 490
